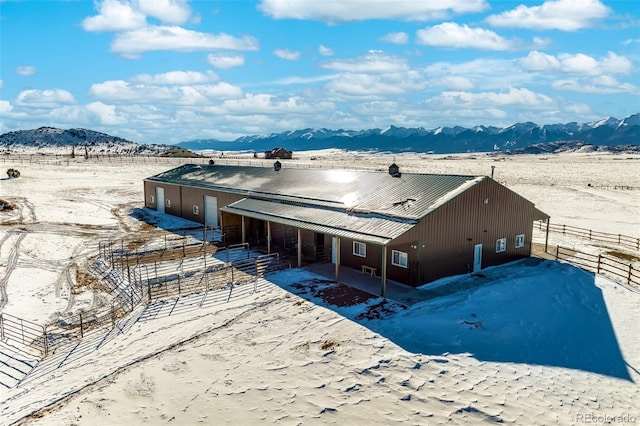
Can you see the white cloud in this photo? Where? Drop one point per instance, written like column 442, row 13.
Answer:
column 167, row 11
column 268, row 104
column 44, row 98
column 539, row 61
column 513, row 97
column 106, row 114
column 396, row 38
column 154, row 38
column 114, row 15
column 360, row 10
column 302, row 80
column 26, row 70
column 225, row 61
column 5, row 107
column 565, row 15
column 601, row 85
column 287, row 54
column 454, row 82
column 485, row 73
column 176, row 77
column 325, row 51
column 358, row 86
column 372, row 62
column 451, row 34
column 577, row 63
column 125, row 92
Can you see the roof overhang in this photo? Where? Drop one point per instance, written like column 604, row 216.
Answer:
column 369, row 228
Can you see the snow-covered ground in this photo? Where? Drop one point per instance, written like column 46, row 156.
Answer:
column 534, row 342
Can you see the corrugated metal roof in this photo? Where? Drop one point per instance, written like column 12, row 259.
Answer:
column 371, row 228
column 410, row 196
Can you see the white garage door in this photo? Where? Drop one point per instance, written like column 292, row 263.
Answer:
column 211, row 211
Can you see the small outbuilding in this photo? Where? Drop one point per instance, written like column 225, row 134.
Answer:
column 412, row 228
column 278, row 153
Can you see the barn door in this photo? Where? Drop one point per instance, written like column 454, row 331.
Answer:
column 160, row 199
column 211, row 211
column 477, row 258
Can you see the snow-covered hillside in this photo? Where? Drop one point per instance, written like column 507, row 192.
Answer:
column 533, row 342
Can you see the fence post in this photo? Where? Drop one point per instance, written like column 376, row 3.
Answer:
column 1, row 327
column 81, row 331
column 619, row 236
column 599, row 260
column 589, row 234
column 557, row 252
column 149, row 290
column 46, row 340
column 563, row 229
column 629, row 275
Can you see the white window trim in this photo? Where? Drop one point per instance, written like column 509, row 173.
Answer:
column 400, row 253
column 364, row 249
column 167, row 202
column 501, row 245
column 196, row 210
column 520, row 241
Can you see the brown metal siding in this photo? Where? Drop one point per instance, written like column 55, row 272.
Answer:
column 150, row 189
column 347, row 258
column 195, row 197
column 450, row 233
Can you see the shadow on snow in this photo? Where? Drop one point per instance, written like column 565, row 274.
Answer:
column 530, row 311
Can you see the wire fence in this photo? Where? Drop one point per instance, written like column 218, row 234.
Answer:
column 591, row 235
column 229, row 160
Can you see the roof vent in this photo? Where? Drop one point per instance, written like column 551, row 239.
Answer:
column 394, row 170
column 277, row 166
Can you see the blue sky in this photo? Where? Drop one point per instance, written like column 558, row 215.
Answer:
column 164, row 71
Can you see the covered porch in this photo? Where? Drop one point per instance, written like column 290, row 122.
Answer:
column 313, row 234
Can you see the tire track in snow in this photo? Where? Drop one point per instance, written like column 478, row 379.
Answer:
column 11, row 264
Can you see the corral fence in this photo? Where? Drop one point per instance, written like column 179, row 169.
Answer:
column 601, row 264
column 137, row 275
column 591, row 235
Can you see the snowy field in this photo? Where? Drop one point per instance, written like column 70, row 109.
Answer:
column 533, row 342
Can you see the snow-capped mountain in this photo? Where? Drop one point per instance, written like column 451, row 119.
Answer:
column 54, row 140
column 601, row 134
column 606, row 132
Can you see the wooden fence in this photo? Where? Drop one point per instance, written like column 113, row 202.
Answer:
column 591, row 235
column 600, row 264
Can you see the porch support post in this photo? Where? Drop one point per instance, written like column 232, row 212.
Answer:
column 337, row 256
column 299, row 248
column 546, row 238
column 244, row 233
column 268, row 237
column 383, row 275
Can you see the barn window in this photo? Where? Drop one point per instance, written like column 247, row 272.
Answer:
column 359, row 249
column 399, row 258
column 520, row 241
column 196, row 210
column 501, row 245
column 152, row 199
column 167, row 202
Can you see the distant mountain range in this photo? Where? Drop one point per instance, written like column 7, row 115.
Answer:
column 609, row 134
column 443, row 140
